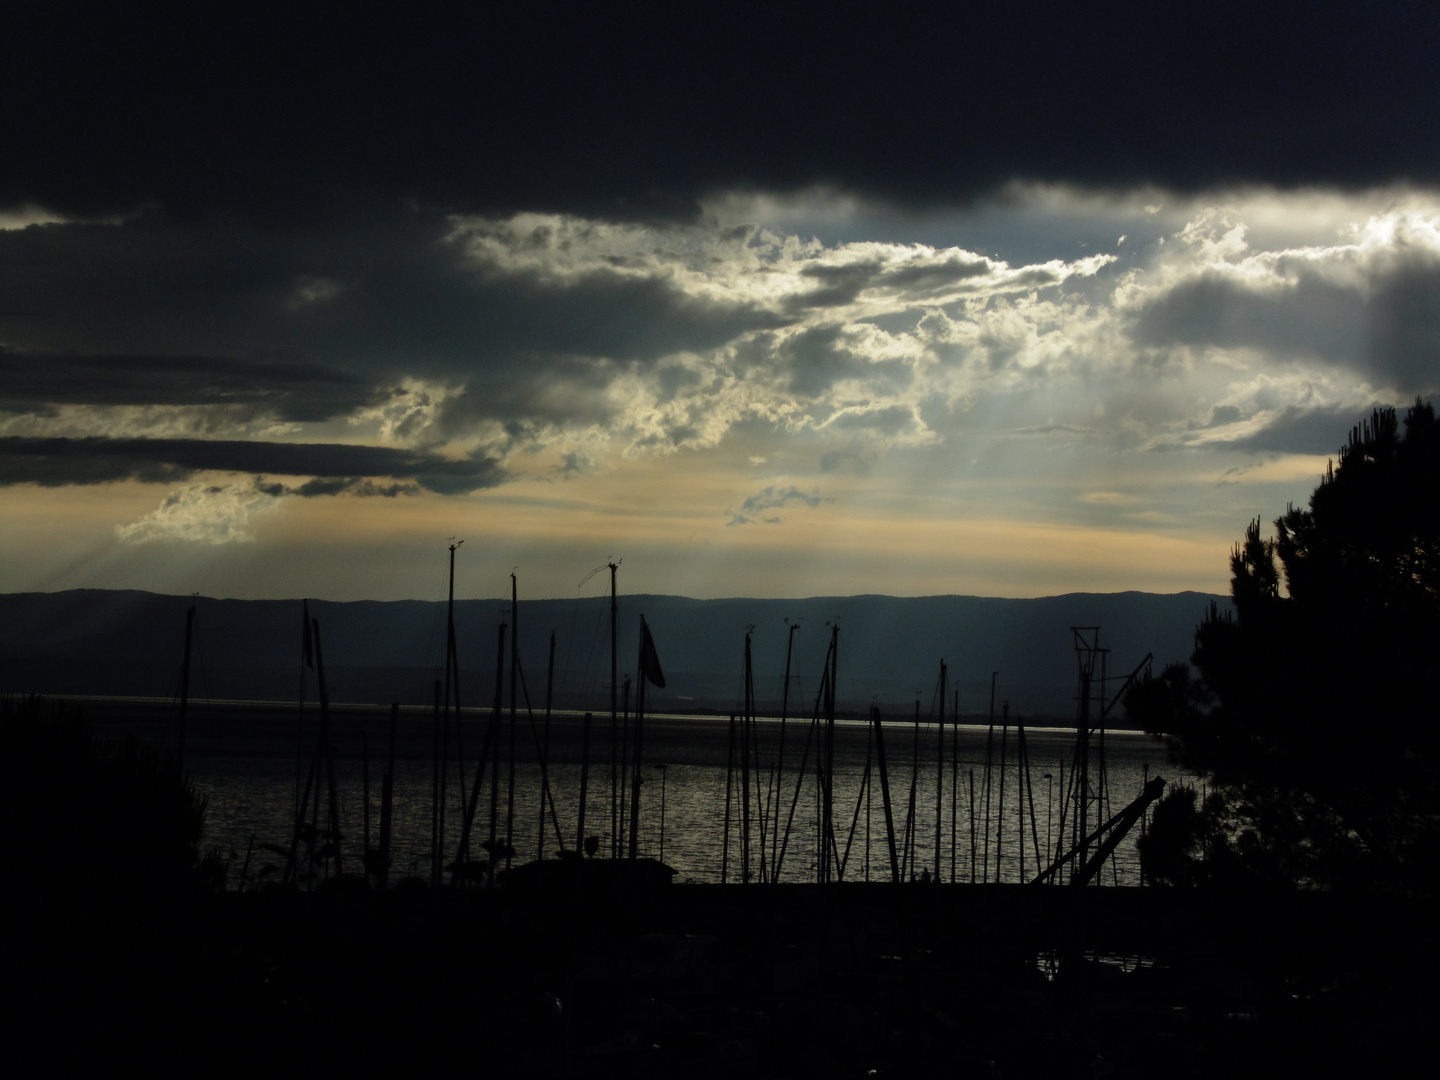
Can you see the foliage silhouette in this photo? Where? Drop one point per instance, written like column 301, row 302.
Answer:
column 86, row 815
column 1312, row 708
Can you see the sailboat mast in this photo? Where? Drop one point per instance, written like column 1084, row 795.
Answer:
column 989, row 760
column 1000, row 810
column 780, row 751
column 334, row 795
column 545, row 752
column 442, row 764
column 514, row 679
column 940, row 778
column 184, row 688
column 614, row 719
column 745, row 733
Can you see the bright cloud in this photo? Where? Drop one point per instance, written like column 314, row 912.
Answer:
column 201, row 514
column 463, row 353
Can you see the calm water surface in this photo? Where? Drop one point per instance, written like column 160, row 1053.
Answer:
column 245, row 760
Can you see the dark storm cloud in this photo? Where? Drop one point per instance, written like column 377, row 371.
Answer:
column 1313, row 316
column 381, row 291
column 1296, row 430
column 842, row 284
column 928, row 279
column 1403, row 329
column 891, row 420
column 60, row 462
column 1386, row 323
column 291, row 392
column 604, row 110
column 817, row 358
column 337, row 485
column 836, row 285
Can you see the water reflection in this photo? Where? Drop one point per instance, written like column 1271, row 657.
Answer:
column 251, row 780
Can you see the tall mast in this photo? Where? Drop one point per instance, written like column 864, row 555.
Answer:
column 334, row 798
column 989, row 760
column 443, row 741
column 614, row 719
column 643, row 678
column 184, row 688
column 1000, row 810
column 827, row 833
column 614, row 647
column 780, row 752
column 545, row 753
column 940, row 778
column 514, row 679
column 745, row 772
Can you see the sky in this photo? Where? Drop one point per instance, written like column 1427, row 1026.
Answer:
column 759, row 300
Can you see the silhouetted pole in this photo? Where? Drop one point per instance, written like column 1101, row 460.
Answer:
column 387, row 802
column 545, row 751
column 635, row 779
column 452, row 690
column 799, row 780
column 761, row 806
column 1000, row 810
column 184, row 688
column 989, row 759
column 334, row 794
column 493, row 741
column 584, row 781
column 745, row 775
column 954, row 785
column 514, row 679
column 365, row 804
column 1081, row 779
column 307, row 659
column 622, row 772
column 827, row 786
column 973, row 852
column 780, row 752
column 436, row 801
column 614, row 717
column 912, row 822
column 1030, row 795
column 487, row 747
column 729, row 785
column 940, row 778
column 885, row 794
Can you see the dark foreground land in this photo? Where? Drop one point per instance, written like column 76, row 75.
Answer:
column 603, row 979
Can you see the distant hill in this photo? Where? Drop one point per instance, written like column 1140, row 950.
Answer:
column 89, row 641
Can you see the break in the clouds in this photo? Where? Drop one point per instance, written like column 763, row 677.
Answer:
column 454, row 351
column 1075, row 277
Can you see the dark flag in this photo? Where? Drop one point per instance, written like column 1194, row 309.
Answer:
column 308, row 642
column 649, row 661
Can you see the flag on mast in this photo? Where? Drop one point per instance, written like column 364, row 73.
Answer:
column 649, row 661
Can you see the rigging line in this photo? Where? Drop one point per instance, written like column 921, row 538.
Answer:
column 860, row 800
column 568, row 674
column 546, row 793
column 587, row 684
column 799, row 781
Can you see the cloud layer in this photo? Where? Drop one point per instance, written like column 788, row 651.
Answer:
column 612, row 112
column 412, row 352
